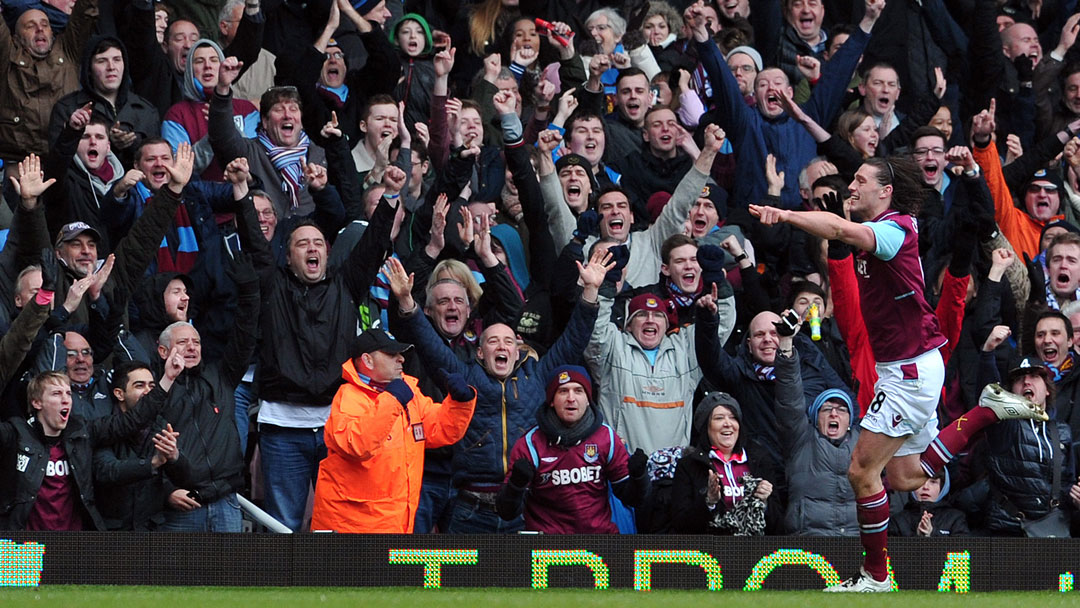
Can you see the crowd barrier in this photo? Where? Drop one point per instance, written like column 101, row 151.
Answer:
column 956, row 565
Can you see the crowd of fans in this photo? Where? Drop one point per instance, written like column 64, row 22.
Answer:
column 476, row 266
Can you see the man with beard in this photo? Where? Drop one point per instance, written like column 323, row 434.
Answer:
column 563, row 467
column 133, row 478
column 38, row 69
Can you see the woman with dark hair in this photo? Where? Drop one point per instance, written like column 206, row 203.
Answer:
column 718, row 488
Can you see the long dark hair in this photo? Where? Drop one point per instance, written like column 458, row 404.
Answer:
column 902, row 174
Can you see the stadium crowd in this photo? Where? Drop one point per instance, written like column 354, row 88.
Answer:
column 500, row 265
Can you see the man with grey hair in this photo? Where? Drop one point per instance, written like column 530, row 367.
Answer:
column 817, row 167
column 236, row 21
column 199, row 403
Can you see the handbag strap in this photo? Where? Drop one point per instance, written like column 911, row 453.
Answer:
column 1055, row 486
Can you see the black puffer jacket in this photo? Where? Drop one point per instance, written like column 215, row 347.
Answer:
column 24, row 456
column 1020, row 471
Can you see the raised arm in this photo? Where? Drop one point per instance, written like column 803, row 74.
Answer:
column 674, row 215
column 822, row 224
column 243, row 335
column 790, row 401
column 368, row 254
column 225, row 140
column 415, row 328
column 576, row 337
column 135, row 251
column 828, row 94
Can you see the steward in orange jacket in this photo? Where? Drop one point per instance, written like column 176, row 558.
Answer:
column 1042, row 202
column 379, row 425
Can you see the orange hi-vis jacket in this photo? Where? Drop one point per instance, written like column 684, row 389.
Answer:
column 370, row 479
column 1021, row 230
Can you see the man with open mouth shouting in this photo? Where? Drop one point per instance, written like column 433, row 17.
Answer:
column 50, row 482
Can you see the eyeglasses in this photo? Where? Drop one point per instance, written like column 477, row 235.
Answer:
column 924, row 152
column 86, row 352
column 335, row 55
column 839, row 409
column 266, row 213
column 600, row 27
column 748, row 68
column 1047, row 188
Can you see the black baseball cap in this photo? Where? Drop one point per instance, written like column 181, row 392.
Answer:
column 377, row 340
column 1029, row 365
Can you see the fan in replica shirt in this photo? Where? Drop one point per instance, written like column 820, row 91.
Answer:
column 562, row 466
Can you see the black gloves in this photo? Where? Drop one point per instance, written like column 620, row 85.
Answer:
column 456, row 386
column 787, row 325
column 241, row 270
column 638, row 462
column 1038, row 282
column 620, row 254
column 588, row 224
column 50, row 270
column 711, row 260
column 963, row 247
column 522, row 473
column 1025, row 69
column 635, row 19
column 632, row 39
column 400, row 391
column 834, row 203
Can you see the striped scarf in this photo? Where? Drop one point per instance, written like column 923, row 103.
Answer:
column 681, row 298
column 289, row 162
column 187, row 248
column 765, row 372
column 380, row 292
column 1059, row 373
